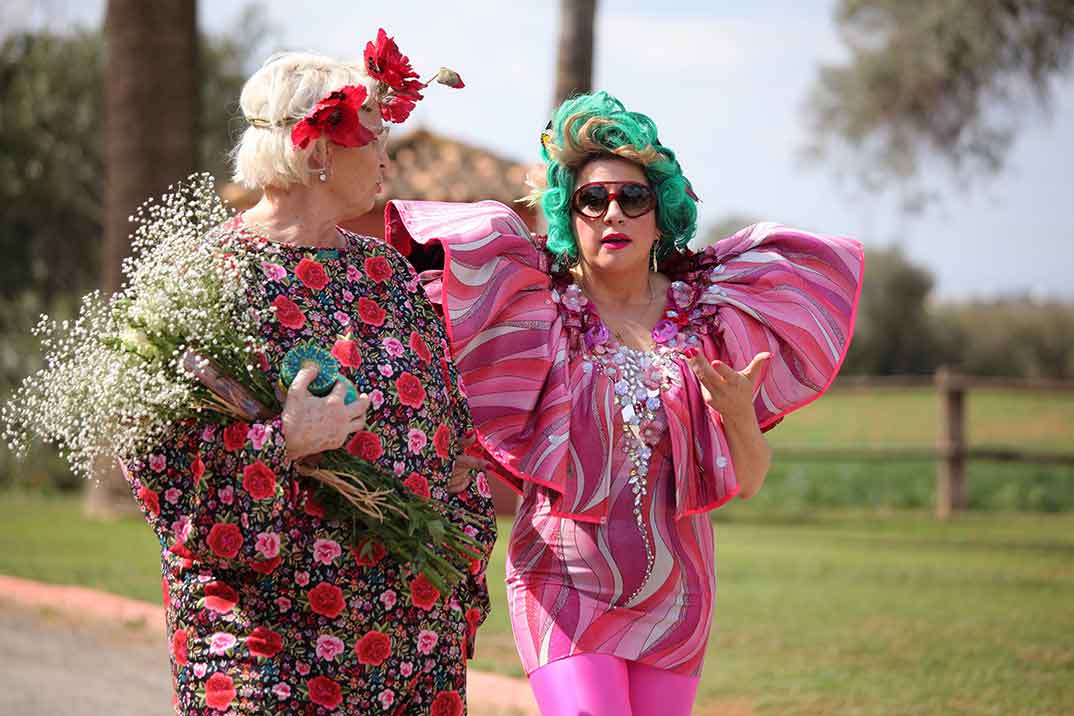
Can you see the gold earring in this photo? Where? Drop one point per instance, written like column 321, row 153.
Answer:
column 655, row 268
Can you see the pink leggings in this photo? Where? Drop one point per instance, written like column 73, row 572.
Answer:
column 602, row 685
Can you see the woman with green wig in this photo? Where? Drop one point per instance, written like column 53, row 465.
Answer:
column 623, row 384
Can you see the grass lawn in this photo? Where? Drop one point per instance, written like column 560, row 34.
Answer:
column 910, row 416
column 858, row 613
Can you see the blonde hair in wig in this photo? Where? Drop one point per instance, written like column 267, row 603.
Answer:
column 598, row 125
column 275, row 97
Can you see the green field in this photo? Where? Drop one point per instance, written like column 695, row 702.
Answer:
column 854, row 612
column 910, row 417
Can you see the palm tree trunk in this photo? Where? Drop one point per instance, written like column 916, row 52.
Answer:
column 152, row 104
column 574, row 60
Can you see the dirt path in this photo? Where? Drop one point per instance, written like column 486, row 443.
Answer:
column 54, row 663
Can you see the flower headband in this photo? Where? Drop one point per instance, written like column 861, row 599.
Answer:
column 396, row 92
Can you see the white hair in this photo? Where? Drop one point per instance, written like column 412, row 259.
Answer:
column 279, row 94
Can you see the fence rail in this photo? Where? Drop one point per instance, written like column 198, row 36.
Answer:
column 951, row 452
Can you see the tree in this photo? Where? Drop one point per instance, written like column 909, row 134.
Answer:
column 51, row 162
column 52, row 179
column 153, row 112
column 52, row 168
column 893, row 332
column 935, row 79
column 574, row 58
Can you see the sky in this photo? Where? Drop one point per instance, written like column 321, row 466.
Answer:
column 726, row 84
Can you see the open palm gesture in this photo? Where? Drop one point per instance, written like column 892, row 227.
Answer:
column 728, row 391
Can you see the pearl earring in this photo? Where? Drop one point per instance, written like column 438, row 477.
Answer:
column 323, row 176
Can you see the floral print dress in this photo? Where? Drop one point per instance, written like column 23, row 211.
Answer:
column 270, row 607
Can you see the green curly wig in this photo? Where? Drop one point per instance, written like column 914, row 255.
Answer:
column 597, row 125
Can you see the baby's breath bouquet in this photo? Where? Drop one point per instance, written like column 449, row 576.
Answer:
column 179, row 341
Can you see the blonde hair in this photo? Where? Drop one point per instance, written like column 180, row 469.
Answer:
column 275, row 97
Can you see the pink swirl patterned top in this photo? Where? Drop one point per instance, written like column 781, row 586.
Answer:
column 614, row 450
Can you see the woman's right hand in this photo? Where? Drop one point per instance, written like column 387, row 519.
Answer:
column 313, row 425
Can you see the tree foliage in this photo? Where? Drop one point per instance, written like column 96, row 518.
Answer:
column 52, row 141
column 894, row 333
column 935, row 78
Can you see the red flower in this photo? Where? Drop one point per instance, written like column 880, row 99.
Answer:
column 197, row 468
column 473, row 618
column 396, row 108
column 266, row 566
column 225, row 539
column 417, row 344
column 384, row 62
column 373, row 648
column 325, row 692
column 378, row 268
column 288, row 313
column 418, row 485
column 373, row 554
column 422, row 593
column 366, row 445
column 219, row 691
column 179, row 549
column 179, row 647
column 312, row 507
column 311, row 274
column 150, row 500
column 220, row 597
column 264, row 642
column 446, row 703
column 337, row 117
column 235, row 436
column 326, row 599
column 164, row 591
column 346, row 352
column 411, row 392
column 441, row 441
column 370, row 312
column 259, row 480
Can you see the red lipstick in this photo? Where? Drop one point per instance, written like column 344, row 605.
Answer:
column 615, row 241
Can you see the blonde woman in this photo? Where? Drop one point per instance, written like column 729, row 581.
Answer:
column 272, row 605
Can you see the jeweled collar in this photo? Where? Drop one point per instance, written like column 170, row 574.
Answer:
column 669, row 332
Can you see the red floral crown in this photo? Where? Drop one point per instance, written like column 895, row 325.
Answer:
column 397, row 91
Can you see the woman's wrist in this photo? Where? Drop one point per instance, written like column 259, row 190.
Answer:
column 740, row 420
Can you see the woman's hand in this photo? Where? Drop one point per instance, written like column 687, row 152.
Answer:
column 727, row 391
column 466, row 466
column 312, row 425
column 730, row 393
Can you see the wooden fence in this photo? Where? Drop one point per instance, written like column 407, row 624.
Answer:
column 951, row 451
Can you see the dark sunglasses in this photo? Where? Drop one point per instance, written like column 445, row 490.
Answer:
column 634, row 198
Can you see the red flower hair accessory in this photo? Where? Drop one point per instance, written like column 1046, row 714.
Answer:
column 385, row 63
column 336, row 117
column 399, row 88
column 397, row 91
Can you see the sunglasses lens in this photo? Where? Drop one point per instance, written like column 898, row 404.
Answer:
column 592, row 201
column 635, row 199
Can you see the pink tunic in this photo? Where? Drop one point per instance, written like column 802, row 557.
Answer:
column 615, row 452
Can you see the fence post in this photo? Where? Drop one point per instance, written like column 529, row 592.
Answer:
column 951, row 468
